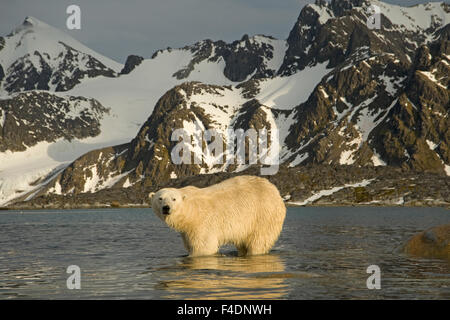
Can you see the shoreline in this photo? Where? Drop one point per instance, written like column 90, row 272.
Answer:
column 141, row 206
column 309, row 185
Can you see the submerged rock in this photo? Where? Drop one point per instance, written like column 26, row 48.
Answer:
column 431, row 243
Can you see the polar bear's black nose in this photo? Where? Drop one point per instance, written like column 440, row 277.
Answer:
column 166, row 209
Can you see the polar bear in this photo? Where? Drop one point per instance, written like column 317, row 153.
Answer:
column 246, row 211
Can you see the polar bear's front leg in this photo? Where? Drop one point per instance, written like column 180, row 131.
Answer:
column 205, row 245
column 186, row 242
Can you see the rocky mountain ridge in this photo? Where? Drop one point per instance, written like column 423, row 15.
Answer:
column 339, row 94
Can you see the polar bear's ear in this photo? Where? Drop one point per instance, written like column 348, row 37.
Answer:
column 184, row 197
column 150, row 195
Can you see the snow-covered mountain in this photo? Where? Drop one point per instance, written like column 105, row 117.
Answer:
column 129, row 95
column 38, row 56
column 338, row 92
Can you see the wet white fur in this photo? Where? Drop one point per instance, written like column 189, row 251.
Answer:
column 246, row 211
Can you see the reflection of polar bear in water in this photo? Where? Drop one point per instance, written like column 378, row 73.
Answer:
column 246, row 211
column 227, row 277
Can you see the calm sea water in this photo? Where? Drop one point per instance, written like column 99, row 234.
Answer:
column 323, row 253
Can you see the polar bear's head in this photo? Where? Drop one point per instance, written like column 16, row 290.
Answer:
column 166, row 202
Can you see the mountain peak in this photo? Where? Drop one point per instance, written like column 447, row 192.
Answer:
column 36, row 55
column 34, row 50
column 31, row 21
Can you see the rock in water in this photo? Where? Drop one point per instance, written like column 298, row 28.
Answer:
column 431, row 243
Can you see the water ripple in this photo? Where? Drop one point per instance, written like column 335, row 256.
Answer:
column 322, row 253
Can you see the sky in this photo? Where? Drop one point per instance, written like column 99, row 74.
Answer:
column 118, row 28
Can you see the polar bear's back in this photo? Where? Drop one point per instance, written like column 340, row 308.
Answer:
column 245, row 187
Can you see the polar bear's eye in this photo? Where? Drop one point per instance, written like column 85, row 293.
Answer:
column 160, row 198
column 173, row 199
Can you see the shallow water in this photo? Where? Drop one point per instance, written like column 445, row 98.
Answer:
column 322, row 253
